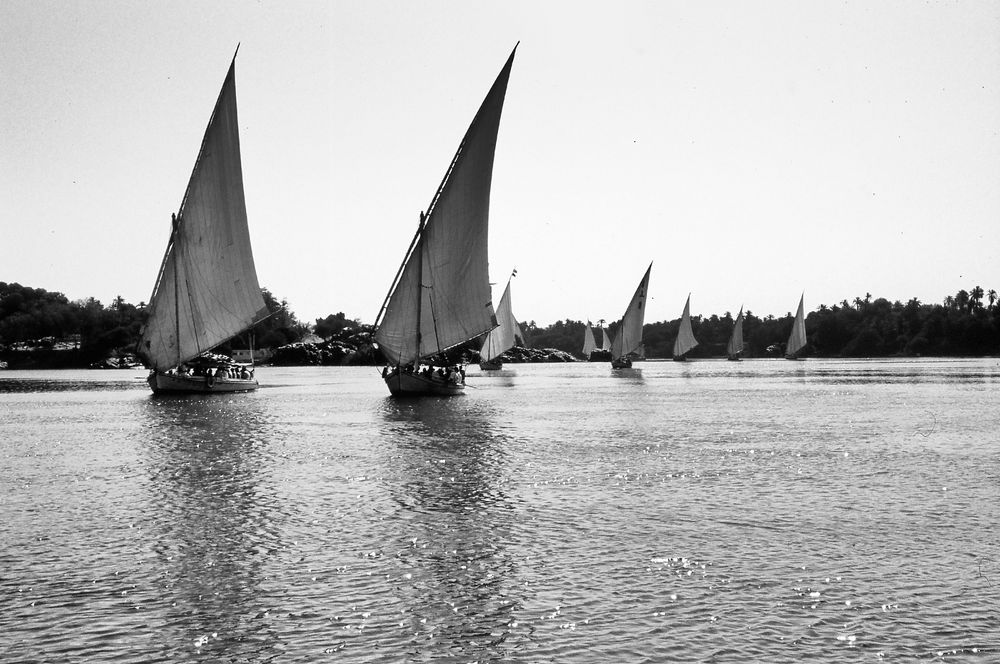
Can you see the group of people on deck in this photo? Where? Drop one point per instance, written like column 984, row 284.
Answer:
column 233, row 371
column 451, row 374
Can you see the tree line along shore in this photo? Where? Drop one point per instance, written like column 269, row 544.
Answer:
column 44, row 329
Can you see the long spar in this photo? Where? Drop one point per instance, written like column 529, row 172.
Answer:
column 399, row 272
column 425, row 217
column 176, row 221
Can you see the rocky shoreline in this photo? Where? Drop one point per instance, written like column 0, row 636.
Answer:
column 350, row 347
column 336, row 352
column 520, row 355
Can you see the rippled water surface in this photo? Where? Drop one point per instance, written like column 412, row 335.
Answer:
column 708, row 511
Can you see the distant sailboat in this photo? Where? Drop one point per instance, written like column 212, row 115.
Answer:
column 628, row 337
column 797, row 339
column 206, row 291
column 501, row 338
column 440, row 297
column 591, row 351
column 597, row 353
column 588, row 342
column 735, row 346
column 685, row 340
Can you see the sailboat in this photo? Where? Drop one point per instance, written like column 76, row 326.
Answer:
column 588, row 342
column 206, row 291
column 735, row 346
column 440, row 297
column 685, row 340
column 597, row 353
column 628, row 337
column 501, row 338
column 797, row 339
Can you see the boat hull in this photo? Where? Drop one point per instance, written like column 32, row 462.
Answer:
column 621, row 363
column 491, row 365
column 404, row 384
column 162, row 383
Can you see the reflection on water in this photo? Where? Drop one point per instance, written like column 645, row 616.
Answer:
column 501, row 377
column 753, row 511
column 216, row 520
column 630, row 375
column 449, row 484
column 13, row 382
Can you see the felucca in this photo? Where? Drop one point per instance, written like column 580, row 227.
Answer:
column 591, row 351
column 685, row 340
column 628, row 337
column 797, row 339
column 588, row 342
column 206, row 291
column 440, row 297
column 501, row 338
column 735, row 346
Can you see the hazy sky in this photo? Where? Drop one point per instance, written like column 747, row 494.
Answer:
column 751, row 150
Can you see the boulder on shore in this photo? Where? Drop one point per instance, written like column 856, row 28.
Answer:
column 327, row 353
column 521, row 355
column 125, row 361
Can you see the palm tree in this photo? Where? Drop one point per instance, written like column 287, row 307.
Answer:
column 976, row 297
column 992, row 295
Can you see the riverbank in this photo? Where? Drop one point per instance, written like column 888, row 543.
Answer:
column 335, row 352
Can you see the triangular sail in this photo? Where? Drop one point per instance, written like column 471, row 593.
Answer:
column 628, row 337
column 605, row 340
column 685, row 335
column 207, row 290
column 588, row 341
column 442, row 296
column 735, row 345
column 505, row 335
column 797, row 339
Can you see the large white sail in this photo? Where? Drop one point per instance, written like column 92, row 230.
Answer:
column 207, row 289
column 797, row 339
column 735, row 345
column 685, row 340
column 442, row 295
column 628, row 337
column 505, row 334
column 588, row 341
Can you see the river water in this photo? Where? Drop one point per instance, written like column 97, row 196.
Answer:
column 707, row 511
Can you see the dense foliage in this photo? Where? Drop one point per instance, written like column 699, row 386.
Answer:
column 967, row 323
column 84, row 331
column 335, row 324
column 86, row 327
